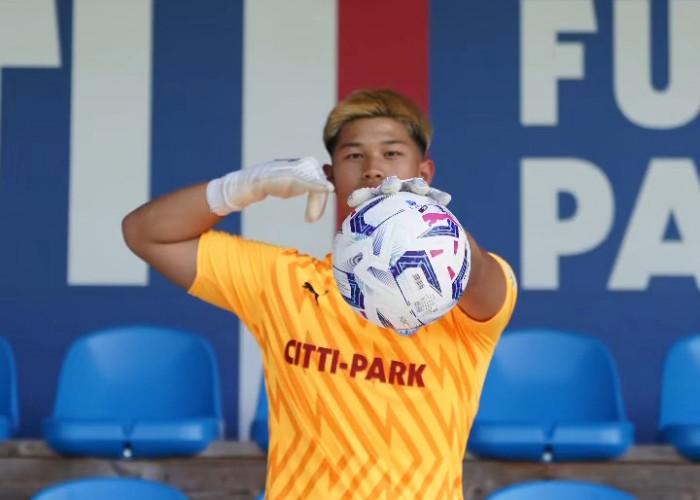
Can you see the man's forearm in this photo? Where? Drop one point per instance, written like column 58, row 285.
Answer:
column 165, row 232
column 486, row 288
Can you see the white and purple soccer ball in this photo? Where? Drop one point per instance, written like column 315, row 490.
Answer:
column 401, row 261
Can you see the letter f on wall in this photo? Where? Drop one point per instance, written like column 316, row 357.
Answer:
column 544, row 60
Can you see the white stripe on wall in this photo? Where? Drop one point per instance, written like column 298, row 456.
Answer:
column 28, row 37
column 110, row 137
column 289, row 73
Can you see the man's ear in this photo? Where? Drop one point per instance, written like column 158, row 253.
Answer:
column 426, row 169
column 328, row 170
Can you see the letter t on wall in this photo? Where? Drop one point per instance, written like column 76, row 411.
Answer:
column 28, row 36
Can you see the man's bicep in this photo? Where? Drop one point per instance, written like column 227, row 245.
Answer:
column 176, row 261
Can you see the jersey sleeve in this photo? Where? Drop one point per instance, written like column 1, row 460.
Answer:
column 232, row 273
column 490, row 330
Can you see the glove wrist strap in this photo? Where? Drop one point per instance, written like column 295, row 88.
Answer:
column 225, row 194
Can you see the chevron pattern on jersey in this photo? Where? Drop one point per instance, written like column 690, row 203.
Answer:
column 355, row 410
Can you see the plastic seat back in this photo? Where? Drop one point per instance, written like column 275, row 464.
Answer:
column 680, row 386
column 9, row 404
column 679, row 420
column 549, row 376
column 551, row 396
column 139, row 373
column 110, row 489
column 136, row 392
column 559, row 490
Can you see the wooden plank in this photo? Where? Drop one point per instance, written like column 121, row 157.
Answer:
column 236, row 471
column 645, row 481
column 209, row 479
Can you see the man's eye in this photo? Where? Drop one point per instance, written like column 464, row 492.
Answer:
column 392, row 154
column 353, row 156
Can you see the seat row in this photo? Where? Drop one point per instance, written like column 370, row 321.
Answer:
column 555, row 396
column 548, row 395
column 552, row 395
column 128, row 392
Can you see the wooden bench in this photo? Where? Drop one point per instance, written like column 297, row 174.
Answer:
column 231, row 470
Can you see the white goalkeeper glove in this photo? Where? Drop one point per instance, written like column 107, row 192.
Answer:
column 392, row 185
column 281, row 178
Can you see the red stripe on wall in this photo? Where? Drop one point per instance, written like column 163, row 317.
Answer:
column 384, row 43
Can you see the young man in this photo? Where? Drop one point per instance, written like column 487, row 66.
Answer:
column 356, row 411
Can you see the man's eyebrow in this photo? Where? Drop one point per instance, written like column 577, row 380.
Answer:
column 349, row 145
column 357, row 144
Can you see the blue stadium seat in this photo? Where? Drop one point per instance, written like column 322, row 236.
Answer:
column 259, row 429
column 551, row 395
column 680, row 397
column 136, row 392
column 110, row 489
column 9, row 405
column 559, row 490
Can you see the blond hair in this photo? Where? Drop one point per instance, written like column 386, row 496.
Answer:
column 379, row 103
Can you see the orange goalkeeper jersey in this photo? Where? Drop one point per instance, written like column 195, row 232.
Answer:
column 356, row 411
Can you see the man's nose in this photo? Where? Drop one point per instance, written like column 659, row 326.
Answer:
column 374, row 170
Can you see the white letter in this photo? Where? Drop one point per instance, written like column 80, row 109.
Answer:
column 110, row 137
column 545, row 237
column 544, row 60
column 643, row 105
column 671, row 188
column 300, row 71
column 28, row 36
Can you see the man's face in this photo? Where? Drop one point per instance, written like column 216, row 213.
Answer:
column 370, row 150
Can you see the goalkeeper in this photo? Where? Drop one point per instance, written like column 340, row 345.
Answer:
column 356, row 411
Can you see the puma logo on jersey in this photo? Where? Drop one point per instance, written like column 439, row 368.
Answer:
column 308, row 286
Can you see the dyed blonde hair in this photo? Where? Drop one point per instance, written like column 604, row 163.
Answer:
column 379, row 103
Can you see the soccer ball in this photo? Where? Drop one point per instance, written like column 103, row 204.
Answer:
column 401, row 261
